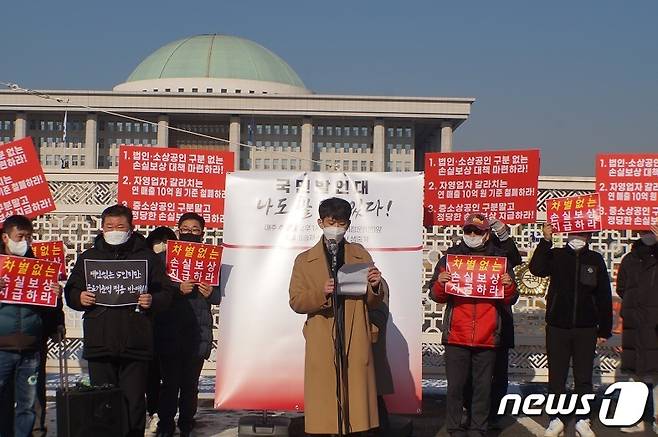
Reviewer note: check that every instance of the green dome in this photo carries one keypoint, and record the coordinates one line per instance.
(215, 56)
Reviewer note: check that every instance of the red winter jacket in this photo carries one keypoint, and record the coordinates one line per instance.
(468, 321)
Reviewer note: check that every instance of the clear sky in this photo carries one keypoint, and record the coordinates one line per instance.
(572, 78)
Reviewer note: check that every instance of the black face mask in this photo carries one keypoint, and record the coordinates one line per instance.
(191, 238)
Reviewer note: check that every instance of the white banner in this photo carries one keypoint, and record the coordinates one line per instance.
(270, 217)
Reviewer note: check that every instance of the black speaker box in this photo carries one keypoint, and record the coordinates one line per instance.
(84, 412)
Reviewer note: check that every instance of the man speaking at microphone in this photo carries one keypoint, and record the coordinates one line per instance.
(312, 292)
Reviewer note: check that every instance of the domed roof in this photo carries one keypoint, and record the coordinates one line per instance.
(215, 56)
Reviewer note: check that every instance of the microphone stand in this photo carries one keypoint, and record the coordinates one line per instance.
(340, 336)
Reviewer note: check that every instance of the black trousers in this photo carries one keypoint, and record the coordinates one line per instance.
(153, 386)
(180, 391)
(40, 429)
(499, 383)
(130, 377)
(575, 345)
(461, 363)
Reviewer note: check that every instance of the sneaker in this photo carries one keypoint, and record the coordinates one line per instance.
(555, 429)
(583, 428)
(152, 423)
(639, 427)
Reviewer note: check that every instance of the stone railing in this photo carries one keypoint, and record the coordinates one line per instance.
(81, 196)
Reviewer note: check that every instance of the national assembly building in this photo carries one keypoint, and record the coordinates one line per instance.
(236, 94)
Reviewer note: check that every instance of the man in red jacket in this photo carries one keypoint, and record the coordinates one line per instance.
(471, 331)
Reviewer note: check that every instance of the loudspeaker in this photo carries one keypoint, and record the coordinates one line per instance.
(249, 426)
(90, 411)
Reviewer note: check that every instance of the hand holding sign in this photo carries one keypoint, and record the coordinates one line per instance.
(145, 300)
(87, 299)
(374, 277)
(205, 289)
(186, 287)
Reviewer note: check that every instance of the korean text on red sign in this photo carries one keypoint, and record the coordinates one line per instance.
(23, 186)
(51, 251)
(161, 184)
(28, 281)
(628, 185)
(193, 262)
(574, 213)
(476, 276)
(499, 184)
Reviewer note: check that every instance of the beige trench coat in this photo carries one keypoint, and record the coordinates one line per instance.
(309, 274)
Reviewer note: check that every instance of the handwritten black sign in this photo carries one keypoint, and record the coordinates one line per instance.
(116, 282)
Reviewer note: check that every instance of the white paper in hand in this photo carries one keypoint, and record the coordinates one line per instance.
(353, 279)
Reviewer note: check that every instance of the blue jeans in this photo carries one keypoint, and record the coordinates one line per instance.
(20, 370)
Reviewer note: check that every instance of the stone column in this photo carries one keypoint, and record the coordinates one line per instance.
(163, 131)
(91, 141)
(307, 144)
(378, 149)
(446, 136)
(234, 139)
(20, 126)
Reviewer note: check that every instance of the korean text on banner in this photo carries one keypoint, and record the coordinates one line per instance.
(116, 282)
(476, 276)
(161, 184)
(193, 262)
(23, 186)
(51, 251)
(628, 185)
(574, 213)
(499, 184)
(28, 281)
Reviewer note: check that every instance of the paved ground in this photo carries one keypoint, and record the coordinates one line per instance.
(430, 423)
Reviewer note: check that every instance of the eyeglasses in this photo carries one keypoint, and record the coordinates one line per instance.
(194, 231)
(474, 230)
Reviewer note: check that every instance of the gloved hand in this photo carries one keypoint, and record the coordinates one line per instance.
(500, 229)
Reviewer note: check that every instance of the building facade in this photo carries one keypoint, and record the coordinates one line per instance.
(238, 96)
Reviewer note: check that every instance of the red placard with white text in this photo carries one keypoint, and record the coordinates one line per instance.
(28, 281)
(23, 186)
(160, 184)
(51, 251)
(628, 185)
(574, 213)
(193, 262)
(476, 276)
(498, 184)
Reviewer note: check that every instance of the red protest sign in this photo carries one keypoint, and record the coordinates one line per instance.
(574, 213)
(628, 185)
(193, 262)
(28, 281)
(51, 251)
(498, 184)
(23, 186)
(161, 184)
(476, 276)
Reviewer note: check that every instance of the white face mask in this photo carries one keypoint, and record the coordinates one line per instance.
(576, 244)
(115, 238)
(474, 241)
(334, 233)
(17, 248)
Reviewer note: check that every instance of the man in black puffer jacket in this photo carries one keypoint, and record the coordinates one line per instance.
(578, 315)
(637, 285)
(183, 340)
(118, 341)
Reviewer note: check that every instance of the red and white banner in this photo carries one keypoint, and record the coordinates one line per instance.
(271, 217)
(476, 276)
(499, 184)
(574, 213)
(161, 184)
(28, 281)
(51, 251)
(23, 186)
(193, 262)
(628, 185)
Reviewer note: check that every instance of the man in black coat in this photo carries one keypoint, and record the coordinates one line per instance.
(637, 285)
(118, 341)
(578, 315)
